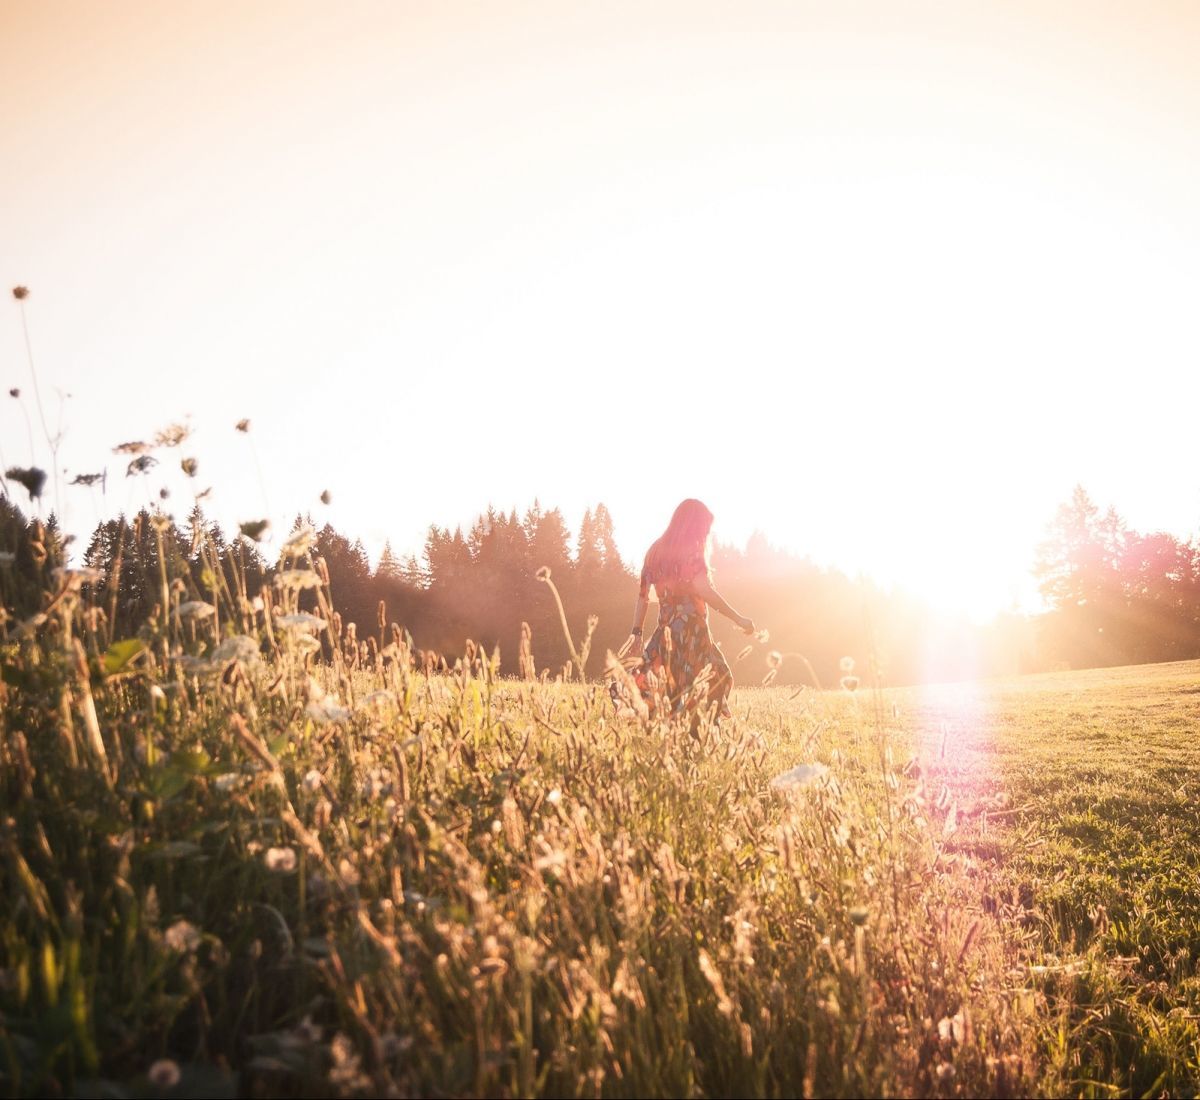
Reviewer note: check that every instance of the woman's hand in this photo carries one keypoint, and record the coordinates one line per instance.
(747, 625)
(633, 647)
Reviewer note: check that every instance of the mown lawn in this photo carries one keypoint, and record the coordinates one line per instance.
(1095, 862)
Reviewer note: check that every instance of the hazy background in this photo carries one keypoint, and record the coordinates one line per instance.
(881, 280)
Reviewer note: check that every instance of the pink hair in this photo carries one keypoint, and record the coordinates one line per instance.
(682, 551)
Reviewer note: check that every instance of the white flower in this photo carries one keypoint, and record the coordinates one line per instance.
(182, 936)
(803, 775)
(327, 710)
(196, 609)
(302, 620)
(282, 860)
(163, 1074)
(298, 579)
(299, 542)
(240, 647)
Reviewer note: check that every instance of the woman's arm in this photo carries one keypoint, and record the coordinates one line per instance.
(634, 645)
(703, 588)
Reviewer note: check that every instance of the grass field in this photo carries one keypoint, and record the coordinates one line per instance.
(230, 869)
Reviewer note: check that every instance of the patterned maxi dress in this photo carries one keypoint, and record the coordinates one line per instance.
(679, 650)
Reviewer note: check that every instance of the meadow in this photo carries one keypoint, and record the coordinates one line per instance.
(256, 851)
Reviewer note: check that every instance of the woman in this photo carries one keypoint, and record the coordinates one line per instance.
(681, 647)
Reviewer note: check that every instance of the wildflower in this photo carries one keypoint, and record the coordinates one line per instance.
(33, 479)
(803, 775)
(298, 579)
(243, 425)
(254, 529)
(182, 936)
(87, 479)
(143, 464)
(189, 466)
(301, 621)
(846, 664)
(239, 647)
(137, 447)
(172, 435)
(160, 521)
(849, 683)
(20, 293)
(327, 710)
(196, 609)
(762, 637)
(306, 643)
(298, 542)
(163, 1074)
(282, 860)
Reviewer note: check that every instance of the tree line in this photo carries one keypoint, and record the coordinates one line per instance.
(1114, 596)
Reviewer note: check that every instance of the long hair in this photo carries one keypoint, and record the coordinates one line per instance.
(682, 551)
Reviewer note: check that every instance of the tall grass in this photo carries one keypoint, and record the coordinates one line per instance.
(247, 851)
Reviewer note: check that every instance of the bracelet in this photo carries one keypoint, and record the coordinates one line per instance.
(636, 632)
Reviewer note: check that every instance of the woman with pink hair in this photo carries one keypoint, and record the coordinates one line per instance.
(681, 663)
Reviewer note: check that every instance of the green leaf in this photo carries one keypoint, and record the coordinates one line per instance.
(121, 653)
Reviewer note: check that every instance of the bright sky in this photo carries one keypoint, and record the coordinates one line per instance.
(882, 280)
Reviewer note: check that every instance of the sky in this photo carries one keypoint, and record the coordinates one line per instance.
(883, 281)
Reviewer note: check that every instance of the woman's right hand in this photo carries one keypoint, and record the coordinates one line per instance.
(747, 625)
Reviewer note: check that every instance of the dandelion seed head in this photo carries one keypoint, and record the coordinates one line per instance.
(543, 574)
(846, 664)
(182, 936)
(164, 1074)
(281, 860)
(196, 609)
(298, 542)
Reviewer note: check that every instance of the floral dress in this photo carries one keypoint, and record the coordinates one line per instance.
(681, 665)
